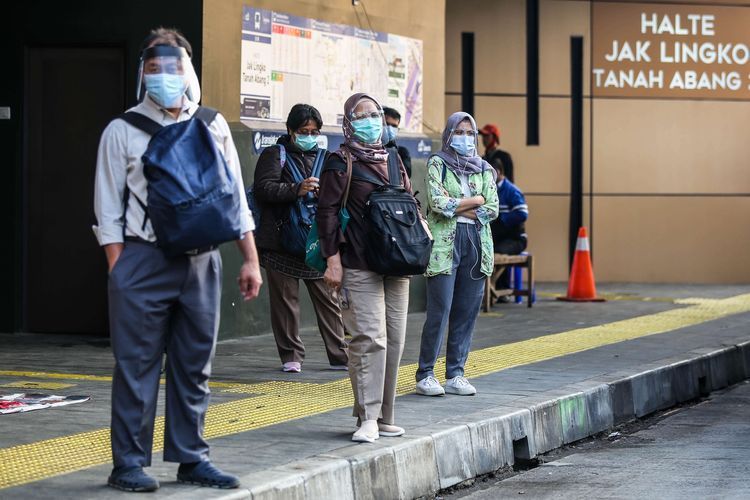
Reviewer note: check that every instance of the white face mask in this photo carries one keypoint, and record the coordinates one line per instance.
(390, 133)
(463, 145)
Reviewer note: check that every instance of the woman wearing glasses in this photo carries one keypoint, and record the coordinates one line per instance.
(462, 199)
(276, 189)
(374, 306)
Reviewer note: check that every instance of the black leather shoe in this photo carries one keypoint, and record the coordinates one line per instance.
(206, 474)
(132, 479)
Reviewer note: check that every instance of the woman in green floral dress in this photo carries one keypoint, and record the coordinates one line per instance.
(462, 201)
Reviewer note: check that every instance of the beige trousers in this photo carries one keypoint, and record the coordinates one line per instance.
(284, 294)
(374, 309)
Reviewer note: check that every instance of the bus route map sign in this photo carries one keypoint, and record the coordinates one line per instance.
(288, 59)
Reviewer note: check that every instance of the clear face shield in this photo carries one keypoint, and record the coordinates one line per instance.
(166, 73)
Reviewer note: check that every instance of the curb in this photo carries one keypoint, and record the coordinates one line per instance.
(455, 450)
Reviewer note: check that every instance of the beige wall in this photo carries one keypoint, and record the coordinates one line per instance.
(676, 239)
(671, 177)
(682, 146)
(222, 19)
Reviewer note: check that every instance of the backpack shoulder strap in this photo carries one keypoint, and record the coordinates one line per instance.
(206, 114)
(320, 158)
(282, 155)
(366, 176)
(294, 169)
(394, 171)
(334, 162)
(141, 122)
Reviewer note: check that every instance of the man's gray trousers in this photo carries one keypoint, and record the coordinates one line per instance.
(156, 306)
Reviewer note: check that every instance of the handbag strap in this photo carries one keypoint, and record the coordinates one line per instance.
(348, 178)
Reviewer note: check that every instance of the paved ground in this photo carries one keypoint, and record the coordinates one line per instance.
(700, 452)
(261, 419)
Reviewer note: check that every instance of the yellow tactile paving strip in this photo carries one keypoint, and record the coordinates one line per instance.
(275, 402)
(78, 376)
(615, 296)
(36, 385)
(61, 376)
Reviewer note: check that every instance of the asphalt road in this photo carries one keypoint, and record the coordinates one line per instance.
(699, 451)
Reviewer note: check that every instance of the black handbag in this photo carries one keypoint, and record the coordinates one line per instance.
(398, 244)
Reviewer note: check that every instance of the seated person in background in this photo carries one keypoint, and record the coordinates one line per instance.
(392, 121)
(508, 230)
(492, 152)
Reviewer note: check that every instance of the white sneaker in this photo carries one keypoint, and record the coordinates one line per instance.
(460, 386)
(292, 367)
(429, 386)
(367, 433)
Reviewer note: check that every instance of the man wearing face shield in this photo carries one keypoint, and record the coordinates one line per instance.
(157, 303)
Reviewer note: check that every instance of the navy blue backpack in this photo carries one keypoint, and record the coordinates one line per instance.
(295, 228)
(193, 200)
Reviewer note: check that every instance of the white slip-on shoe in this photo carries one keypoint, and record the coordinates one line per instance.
(459, 386)
(367, 433)
(292, 367)
(429, 386)
(388, 430)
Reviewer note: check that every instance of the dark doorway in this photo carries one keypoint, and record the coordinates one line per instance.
(70, 96)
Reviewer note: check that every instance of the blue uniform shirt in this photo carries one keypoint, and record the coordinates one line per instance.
(513, 212)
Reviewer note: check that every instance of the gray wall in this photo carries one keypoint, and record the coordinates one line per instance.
(239, 319)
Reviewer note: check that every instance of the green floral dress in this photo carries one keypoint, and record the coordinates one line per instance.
(443, 197)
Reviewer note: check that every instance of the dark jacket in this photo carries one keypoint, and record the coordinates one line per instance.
(404, 154)
(498, 156)
(510, 224)
(332, 186)
(275, 190)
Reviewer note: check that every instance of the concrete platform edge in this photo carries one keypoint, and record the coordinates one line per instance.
(427, 460)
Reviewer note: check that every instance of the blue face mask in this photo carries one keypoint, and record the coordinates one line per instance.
(165, 89)
(390, 133)
(305, 142)
(463, 145)
(368, 130)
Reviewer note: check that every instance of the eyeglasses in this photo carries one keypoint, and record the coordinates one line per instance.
(469, 133)
(367, 114)
(308, 132)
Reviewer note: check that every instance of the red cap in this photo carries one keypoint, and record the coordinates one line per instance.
(490, 129)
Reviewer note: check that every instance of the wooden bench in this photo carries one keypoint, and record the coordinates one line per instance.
(491, 294)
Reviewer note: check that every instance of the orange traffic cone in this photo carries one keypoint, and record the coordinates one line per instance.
(581, 287)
